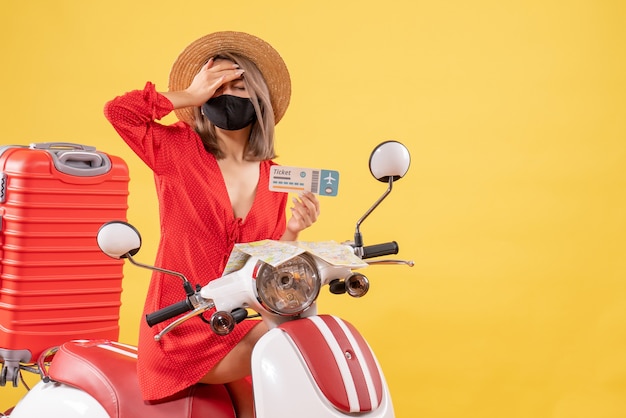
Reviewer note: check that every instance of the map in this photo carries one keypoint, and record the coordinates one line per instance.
(275, 253)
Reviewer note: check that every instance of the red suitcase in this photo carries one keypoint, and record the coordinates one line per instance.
(55, 283)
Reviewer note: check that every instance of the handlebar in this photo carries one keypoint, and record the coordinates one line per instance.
(378, 250)
(169, 312)
(179, 308)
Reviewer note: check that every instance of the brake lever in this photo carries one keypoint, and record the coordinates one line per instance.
(409, 263)
(200, 309)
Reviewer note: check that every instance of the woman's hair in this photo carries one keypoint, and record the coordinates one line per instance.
(260, 145)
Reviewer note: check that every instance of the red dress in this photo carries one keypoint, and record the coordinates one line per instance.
(198, 231)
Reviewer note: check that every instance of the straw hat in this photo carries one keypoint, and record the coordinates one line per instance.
(266, 58)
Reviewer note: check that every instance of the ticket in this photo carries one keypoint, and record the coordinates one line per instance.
(299, 179)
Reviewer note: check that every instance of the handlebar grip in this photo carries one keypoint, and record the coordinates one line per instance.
(168, 312)
(377, 250)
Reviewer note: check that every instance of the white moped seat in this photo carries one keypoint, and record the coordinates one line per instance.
(108, 372)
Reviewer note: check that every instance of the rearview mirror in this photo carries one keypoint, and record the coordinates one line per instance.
(118, 239)
(389, 160)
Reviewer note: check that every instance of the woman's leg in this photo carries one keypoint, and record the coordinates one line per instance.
(233, 369)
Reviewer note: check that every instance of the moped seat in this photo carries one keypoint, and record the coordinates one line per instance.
(107, 371)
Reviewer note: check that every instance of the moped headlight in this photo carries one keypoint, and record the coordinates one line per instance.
(290, 288)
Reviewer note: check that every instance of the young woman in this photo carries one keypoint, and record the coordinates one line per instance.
(211, 171)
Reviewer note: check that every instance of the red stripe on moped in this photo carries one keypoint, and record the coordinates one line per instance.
(340, 362)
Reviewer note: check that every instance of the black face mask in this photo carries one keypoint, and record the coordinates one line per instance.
(229, 112)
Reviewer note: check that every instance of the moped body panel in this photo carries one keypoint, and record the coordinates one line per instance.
(58, 400)
(318, 367)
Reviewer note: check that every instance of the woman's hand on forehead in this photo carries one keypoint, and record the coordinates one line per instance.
(211, 77)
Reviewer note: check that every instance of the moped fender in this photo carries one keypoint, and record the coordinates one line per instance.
(318, 366)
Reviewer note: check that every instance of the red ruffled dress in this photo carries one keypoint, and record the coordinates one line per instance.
(198, 231)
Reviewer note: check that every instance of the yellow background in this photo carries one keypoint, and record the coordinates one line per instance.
(514, 208)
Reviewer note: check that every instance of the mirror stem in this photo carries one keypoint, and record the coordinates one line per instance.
(188, 288)
(358, 239)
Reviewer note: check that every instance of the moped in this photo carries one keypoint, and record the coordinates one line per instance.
(306, 365)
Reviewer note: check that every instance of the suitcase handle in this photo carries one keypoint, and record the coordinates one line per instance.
(81, 163)
(91, 159)
(61, 146)
(76, 159)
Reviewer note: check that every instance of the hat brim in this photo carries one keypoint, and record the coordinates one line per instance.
(262, 54)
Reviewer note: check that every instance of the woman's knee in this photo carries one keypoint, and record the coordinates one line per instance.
(236, 364)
